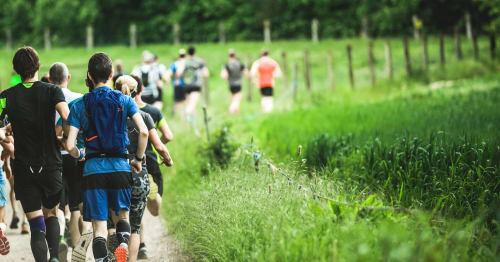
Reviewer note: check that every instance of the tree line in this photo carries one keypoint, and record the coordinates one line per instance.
(26, 21)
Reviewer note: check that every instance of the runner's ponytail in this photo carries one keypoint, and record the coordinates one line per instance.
(126, 84)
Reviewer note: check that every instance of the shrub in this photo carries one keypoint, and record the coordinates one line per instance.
(219, 151)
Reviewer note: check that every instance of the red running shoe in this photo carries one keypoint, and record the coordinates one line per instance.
(4, 244)
(121, 253)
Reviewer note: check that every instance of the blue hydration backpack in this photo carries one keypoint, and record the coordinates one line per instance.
(107, 132)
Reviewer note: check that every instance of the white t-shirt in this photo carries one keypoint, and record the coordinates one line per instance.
(68, 96)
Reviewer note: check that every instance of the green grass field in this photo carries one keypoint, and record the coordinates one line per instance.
(407, 170)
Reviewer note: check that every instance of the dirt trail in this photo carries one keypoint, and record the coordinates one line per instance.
(161, 247)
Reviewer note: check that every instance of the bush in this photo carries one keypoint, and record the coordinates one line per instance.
(218, 152)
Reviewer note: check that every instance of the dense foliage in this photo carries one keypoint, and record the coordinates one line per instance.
(199, 20)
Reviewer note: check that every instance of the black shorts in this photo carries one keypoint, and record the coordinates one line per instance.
(159, 98)
(73, 181)
(235, 89)
(190, 89)
(155, 171)
(39, 189)
(266, 91)
(179, 94)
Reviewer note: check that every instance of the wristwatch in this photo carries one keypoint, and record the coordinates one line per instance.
(139, 159)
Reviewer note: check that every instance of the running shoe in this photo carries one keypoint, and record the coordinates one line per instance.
(121, 253)
(4, 244)
(113, 242)
(54, 259)
(153, 188)
(25, 228)
(63, 250)
(13, 223)
(143, 253)
(110, 257)
(80, 251)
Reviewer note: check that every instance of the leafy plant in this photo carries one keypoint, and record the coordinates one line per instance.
(219, 151)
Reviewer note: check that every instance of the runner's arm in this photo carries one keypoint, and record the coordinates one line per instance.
(204, 72)
(167, 134)
(71, 142)
(143, 135)
(160, 147)
(277, 72)
(224, 74)
(63, 110)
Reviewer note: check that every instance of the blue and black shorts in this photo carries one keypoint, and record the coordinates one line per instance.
(106, 191)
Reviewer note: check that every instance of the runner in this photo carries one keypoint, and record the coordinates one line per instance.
(155, 175)
(232, 72)
(178, 82)
(102, 116)
(30, 107)
(4, 242)
(263, 71)
(193, 71)
(150, 75)
(6, 156)
(128, 86)
(72, 181)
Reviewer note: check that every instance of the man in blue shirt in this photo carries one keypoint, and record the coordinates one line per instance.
(107, 177)
(178, 82)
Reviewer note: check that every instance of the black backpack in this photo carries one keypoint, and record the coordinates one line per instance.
(145, 78)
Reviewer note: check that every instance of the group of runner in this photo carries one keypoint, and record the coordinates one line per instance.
(188, 73)
(85, 167)
(94, 158)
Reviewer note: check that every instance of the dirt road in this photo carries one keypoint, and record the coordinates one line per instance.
(161, 247)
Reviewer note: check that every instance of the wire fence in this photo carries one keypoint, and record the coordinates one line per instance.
(258, 159)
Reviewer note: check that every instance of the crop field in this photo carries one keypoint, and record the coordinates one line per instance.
(407, 169)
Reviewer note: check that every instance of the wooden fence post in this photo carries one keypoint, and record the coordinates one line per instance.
(8, 38)
(176, 31)
(365, 27)
(475, 47)
(90, 37)
(46, 38)
(388, 60)
(206, 91)
(468, 25)
(458, 45)
(331, 74)
(407, 56)
(307, 72)
(371, 61)
(442, 58)
(295, 81)
(416, 29)
(493, 45)
(284, 66)
(222, 33)
(349, 58)
(205, 118)
(249, 81)
(267, 31)
(425, 53)
(133, 36)
(314, 30)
